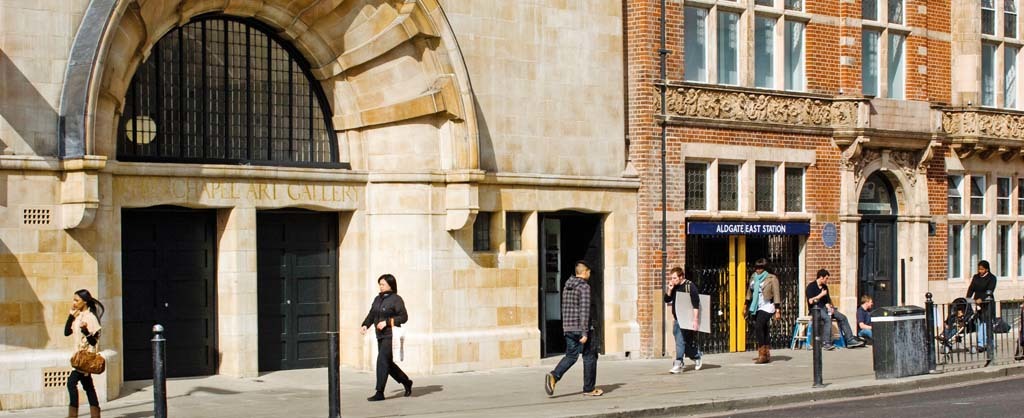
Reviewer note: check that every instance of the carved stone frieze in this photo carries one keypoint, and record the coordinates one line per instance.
(741, 106)
(867, 157)
(992, 124)
(907, 162)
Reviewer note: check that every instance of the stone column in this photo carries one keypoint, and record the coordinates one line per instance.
(237, 314)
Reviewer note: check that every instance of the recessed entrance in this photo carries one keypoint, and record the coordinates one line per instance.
(168, 265)
(566, 237)
(298, 287)
(877, 241)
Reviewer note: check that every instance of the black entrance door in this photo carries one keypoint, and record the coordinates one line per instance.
(298, 287)
(168, 277)
(567, 237)
(877, 269)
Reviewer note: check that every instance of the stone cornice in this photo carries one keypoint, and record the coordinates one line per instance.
(983, 132)
(734, 107)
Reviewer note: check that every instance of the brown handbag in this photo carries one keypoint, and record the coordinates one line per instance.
(89, 362)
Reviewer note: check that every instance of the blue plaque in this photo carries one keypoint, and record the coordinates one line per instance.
(829, 235)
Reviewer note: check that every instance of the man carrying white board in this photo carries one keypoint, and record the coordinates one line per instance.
(686, 341)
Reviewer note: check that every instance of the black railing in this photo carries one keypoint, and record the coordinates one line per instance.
(966, 334)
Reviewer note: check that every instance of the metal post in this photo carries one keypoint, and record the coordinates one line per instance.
(333, 376)
(663, 53)
(903, 281)
(929, 315)
(816, 327)
(159, 373)
(990, 346)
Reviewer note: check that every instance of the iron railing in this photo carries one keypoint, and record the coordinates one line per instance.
(958, 328)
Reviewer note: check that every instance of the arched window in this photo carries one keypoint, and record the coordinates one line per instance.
(225, 90)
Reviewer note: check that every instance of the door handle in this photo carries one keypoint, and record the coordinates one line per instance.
(166, 304)
(289, 302)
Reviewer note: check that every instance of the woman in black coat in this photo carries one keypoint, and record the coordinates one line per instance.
(387, 311)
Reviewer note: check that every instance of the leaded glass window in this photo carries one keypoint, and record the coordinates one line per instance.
(794, 189)
(226, 90)
(764, 189)
(482, 232)
(696, 186)
(728, 187)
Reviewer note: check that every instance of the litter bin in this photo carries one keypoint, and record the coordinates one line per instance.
(900, 341)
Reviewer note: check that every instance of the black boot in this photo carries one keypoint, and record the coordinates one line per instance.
(408, 388)
(379, 396)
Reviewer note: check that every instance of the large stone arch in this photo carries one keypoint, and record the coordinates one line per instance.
(384, 64)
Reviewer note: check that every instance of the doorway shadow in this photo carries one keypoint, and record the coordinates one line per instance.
(22, 317)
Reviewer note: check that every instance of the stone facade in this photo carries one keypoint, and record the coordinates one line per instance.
(437, 121)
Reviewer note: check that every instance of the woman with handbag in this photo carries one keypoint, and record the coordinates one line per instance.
(387, 311)
(762, 296)
(84, 324)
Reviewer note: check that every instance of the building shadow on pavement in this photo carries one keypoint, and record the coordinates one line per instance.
(418, 391)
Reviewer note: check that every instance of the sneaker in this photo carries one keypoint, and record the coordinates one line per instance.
(549, 384)
(677, 366)
(595, 392)
(829, 347)
(854, 343)
(700, 364)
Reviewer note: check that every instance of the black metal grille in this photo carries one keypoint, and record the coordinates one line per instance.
(707, 265)
(783, 255)
(226, 90)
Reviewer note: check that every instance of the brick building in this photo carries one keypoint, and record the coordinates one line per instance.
(882, 135)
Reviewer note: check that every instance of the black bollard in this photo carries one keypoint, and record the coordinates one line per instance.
(929, 314)
(159, 373)
(816, 327)
(333, 376)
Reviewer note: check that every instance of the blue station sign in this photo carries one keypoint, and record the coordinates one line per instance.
(748, 228)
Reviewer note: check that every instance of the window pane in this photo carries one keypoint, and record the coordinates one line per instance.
(764, 189)
(977, 243)
(896, 11)
(696, 44)
(794, 5)
(1010, 18)
(869, 64)
(953, 253)
(1010, 76)
(953, 194)
(988, 74)
(794, 189)
(764, 52)
(482, 232)
(765, 2)
(897, 64)
(1002, 250)
(513, 231)
(977, 195)
(1020, 249)
(696, 186)
(1020, 197)
(728, 187)
(869, 9)
(728, 48)
(988, 17)
(1003, 196)
(794, 56)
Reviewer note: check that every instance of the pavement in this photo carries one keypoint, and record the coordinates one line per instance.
(633, 388)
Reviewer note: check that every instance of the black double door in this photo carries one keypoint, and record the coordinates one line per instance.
(298, 288)
(877, 268)
(168, 258)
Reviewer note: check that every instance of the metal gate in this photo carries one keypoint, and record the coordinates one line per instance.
(709, 265)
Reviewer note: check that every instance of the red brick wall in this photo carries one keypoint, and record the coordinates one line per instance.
(825, 76)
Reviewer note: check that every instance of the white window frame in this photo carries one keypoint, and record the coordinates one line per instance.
(1006, 71)
(959, 188)
(971, 197)
(1004, 199)
(886, 32)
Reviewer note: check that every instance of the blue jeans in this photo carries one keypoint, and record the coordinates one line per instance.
(686, 343)
(982, 334)
(866, 333)
(573, 349)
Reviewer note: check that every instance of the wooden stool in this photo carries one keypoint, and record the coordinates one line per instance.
(800, 333)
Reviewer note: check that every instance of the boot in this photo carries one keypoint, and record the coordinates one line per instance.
(767, 353)
(762, 355)
(72, 412)
(94, 412)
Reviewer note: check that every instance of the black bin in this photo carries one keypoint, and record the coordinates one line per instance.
(900, 341)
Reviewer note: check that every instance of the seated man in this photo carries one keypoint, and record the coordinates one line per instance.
(864, 316)
(817, 295)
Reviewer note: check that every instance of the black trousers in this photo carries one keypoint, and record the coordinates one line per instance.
(386, 364)
(761, 326)
(90, 390)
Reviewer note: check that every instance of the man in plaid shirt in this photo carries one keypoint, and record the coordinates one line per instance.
(579, 332)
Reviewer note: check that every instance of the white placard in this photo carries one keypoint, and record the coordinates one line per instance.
(684, 312)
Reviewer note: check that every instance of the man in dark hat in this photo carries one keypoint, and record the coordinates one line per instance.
(577, 324)
(982, 290)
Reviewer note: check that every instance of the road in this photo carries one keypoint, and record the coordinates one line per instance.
(997, 399)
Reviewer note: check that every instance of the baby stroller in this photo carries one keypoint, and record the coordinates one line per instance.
(1018, 355)
(959, 322)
